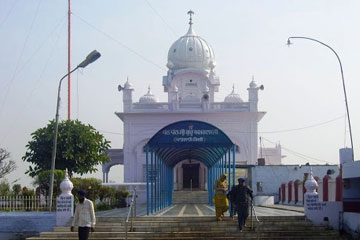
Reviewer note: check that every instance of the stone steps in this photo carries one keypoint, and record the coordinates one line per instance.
(206, 238)
(175, 228)
(193, 234)
(187, 197)
(196, 218)
(195, 228)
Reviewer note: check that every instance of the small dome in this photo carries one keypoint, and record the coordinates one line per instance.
(233, 97)
(148, 97)
(191, 51)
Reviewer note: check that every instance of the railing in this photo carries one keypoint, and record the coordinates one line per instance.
(131, 214)
(25, 203)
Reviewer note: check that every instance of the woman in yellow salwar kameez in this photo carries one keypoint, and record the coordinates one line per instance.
(220, 200)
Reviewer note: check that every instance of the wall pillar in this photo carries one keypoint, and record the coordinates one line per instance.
(290, 189)
(326, 188)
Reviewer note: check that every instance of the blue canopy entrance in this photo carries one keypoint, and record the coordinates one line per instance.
(186, 140)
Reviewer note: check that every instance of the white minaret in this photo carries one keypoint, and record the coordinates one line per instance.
(127, 96)
(253, 95)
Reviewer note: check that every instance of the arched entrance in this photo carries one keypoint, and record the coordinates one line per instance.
(180, 141)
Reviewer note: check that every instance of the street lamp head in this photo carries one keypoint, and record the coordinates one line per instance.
(92, 57)
(288, 42)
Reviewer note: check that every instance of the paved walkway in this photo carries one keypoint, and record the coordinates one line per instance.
(203, 210)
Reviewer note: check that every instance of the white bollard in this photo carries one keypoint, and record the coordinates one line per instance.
(65, 202)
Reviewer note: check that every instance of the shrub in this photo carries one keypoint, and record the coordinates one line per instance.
(120, 197)
(16, 189)
(101, 206)
(91, 186)
(43, 181)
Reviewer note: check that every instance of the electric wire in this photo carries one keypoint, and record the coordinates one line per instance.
(35, 85)
(300, 155)
(306, 127)
(280, 131)
(8, 87)
(8, 13)
(162, 19)
(119, 43)
(262, 146)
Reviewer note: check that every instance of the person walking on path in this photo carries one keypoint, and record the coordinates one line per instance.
(84, 216)
(220, 200)
(240, 198)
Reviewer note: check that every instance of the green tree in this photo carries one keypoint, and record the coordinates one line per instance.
(91, 186)
(4, 188)
(6, 164)
(43, 181)
(16, 189)
(79, 148)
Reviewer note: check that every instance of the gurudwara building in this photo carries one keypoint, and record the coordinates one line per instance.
(191, 83)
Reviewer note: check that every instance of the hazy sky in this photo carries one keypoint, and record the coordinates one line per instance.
(302, 83)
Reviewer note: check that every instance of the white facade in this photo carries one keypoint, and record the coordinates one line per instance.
(271, 156)
(270, 178)
(191, 83)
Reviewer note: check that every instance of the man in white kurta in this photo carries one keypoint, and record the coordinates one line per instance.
(84, 216)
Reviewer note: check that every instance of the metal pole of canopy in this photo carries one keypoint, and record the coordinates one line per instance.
(208, 184)
(212, 182)
(225, 163)
(216, 169)
(164, 184)
(158, 183)
(147, 180)
(221, 169)
(229, 157)
(152, 179)
(228, 168)
(161, 184)
(158, 186)
(167, 186)
(233, 150)
(155, 181)
(171, 184)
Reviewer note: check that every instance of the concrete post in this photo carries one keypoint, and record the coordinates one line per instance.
(65, 202)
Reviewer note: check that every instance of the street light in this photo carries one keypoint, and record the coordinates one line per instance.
(92, 57)
(343, 83)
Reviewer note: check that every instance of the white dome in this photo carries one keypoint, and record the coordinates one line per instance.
(233, 97)
(148, 97)
(191, 51)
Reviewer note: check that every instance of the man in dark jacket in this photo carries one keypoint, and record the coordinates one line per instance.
(240, 199)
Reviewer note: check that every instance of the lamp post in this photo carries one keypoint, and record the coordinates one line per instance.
(343, 83)
(93, 56)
